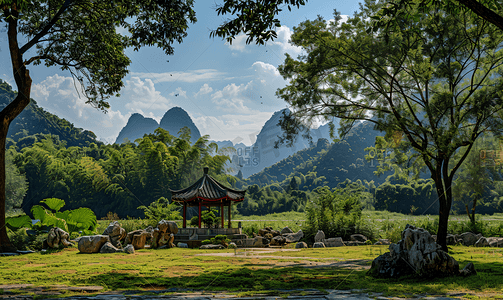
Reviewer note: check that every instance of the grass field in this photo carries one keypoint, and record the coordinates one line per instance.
(245, 273)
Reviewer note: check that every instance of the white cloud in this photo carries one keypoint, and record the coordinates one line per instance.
(283, 42)
(57, 94)
(239, 44)
(185, 76)
(141, 95)
(205, 89)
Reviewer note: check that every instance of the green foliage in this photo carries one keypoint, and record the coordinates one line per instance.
(194, 221)
(258, 17)
(338, 213)
(16, 185)
(114, 178)
(208, 218)
(161, 209)
(220, 239)
(72, 221)
(206, 242)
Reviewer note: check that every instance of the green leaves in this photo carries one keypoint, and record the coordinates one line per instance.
(256, 18)
(14, 223)
(54, 203)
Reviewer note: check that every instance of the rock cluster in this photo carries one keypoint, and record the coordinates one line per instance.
(416, 253)
(111, 240)
(472, 239)
(355, 240)
(271, 237)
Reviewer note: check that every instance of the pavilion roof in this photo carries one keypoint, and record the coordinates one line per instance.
(207, 189)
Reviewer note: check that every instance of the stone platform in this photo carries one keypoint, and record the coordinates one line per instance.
(194, 236)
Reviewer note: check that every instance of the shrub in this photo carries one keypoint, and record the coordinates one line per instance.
(194, 221)
(338, 213)
(208, 218)
(220, 239)
(159, 210)
(206, 242)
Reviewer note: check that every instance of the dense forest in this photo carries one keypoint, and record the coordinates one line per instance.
(49, 157)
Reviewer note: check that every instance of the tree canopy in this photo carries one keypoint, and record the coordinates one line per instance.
(432, 84)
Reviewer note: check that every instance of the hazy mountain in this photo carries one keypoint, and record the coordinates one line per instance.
(173, 120)
(253, 159)
(336, 162)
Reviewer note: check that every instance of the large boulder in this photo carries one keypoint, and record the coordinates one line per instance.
(300, 245)
(334, 242)
(57, 237)
(167, 227)
(495, 241)
(278, 241)
(416, 253)
(482, 242)
(109, 248)
(451, 239)
(318, 245)
(138, 238)
(129, 249)
(260, 241)
(358, 238)
(319, 237)
(286, 230)
(93, 243)
(469, 238)
(116, 233)
(294, 237)
(264, 231)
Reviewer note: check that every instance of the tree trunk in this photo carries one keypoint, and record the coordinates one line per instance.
(472, 218)
(6, 117)
(445, 206)
(11, 111)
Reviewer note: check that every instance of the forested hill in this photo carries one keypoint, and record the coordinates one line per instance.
(28, 127)
(336, 162)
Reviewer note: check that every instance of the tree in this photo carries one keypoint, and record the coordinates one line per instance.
(431, 85)
(489, 10)
(80, 36)
(475, 178)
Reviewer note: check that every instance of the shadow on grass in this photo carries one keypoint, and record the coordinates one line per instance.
(489, 278)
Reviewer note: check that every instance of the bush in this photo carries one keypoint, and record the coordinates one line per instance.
(159, 210)
(220, 239)
(208, 218)
(206, 242)
(194, 221)
(338, 213)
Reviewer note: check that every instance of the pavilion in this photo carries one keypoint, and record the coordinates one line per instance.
(207, 192)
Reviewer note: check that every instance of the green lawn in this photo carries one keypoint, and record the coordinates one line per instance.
(322, 269)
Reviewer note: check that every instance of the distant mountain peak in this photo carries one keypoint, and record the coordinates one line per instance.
(172, 121)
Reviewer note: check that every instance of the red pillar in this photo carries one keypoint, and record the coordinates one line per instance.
(199, 214)
(229, 224)
(222, 213)
(184, 215)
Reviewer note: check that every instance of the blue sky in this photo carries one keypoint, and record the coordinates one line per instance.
(228, 90)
